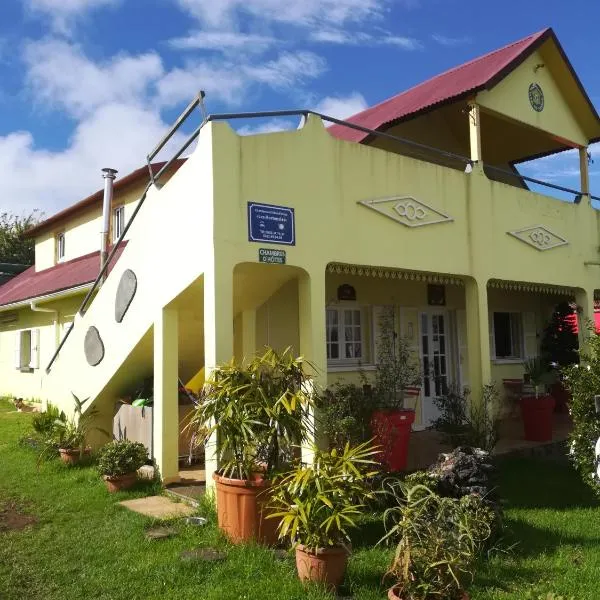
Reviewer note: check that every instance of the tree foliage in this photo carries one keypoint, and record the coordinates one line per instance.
(14, 248)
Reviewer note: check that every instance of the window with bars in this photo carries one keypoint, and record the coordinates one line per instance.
(345, 335)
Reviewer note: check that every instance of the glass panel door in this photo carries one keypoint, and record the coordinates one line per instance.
(434, 353)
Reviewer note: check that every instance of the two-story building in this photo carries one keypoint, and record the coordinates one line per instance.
(302, 238)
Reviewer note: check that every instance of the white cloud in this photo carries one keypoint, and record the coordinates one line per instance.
(64, 12)
(223, 41)
(268, 126)
(355, 38)
(228, 81)
(443, 40)
(58, 73)
(342, 107)
(226, 13)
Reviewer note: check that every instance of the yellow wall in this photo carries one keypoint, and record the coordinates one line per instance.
(511, 98)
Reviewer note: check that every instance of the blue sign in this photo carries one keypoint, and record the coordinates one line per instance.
(273, 224)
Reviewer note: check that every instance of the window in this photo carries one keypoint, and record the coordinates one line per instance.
(118, 222)
(508, 335)
(345, 335)
(60, 246)
(27, 349)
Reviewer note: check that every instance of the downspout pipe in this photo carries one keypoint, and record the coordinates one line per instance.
(109, 176)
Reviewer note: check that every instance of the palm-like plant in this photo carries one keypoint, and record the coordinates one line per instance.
(258, 412)
(317, 504)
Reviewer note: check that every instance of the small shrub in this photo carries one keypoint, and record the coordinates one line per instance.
(345, 414)
(438, 542)
(44, 423)
(465, 423)
(121, 457)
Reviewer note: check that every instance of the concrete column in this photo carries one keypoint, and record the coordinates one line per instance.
(218, 337)
(475, 132)
(166, 399)
(248, 334)
(312, 304)
(478, 337)
(584, 170)
(585, 314)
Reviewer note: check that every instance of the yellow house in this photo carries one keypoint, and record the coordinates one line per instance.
(302, 238)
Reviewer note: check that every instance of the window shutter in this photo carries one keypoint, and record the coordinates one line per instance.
(530, 341)
(18, 335)
(34, 361)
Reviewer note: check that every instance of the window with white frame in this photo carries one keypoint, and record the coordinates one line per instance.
(345, 335)
(60, 246)
(507, 335)
(118, 222)
(27, 349)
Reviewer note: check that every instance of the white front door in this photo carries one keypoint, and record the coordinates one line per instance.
(435, 360)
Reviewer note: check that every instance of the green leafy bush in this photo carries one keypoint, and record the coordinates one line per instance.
(466, 423)
(583, 381)
(438, 543)
(345, 414)
(44, 423)
(318, 503)
(259, 412)
(121, 457)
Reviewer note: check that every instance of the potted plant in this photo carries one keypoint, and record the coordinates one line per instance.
(439, 540)
(397, 372)
(118, 462)
(537, 408)
(258, 413)
(317, 504)
(68, 435)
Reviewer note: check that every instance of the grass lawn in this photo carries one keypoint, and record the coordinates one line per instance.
(82, 545)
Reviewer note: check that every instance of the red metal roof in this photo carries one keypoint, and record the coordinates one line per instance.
(73, 273)
(481, 73)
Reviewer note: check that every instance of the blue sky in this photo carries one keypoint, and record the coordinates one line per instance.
(93, 83)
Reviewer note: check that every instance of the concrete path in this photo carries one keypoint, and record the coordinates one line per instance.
(159, 507)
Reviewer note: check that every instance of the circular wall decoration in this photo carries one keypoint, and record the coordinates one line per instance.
(536, 97)
(93, 347)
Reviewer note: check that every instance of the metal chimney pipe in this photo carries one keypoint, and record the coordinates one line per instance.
(109, 176)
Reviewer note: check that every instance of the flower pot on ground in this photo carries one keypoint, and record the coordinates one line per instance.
(537, 409)
(68, 436)
(242, 507)
(439, 540)
(397, 371)
(315, 505)
(118, 462)
(260, 413)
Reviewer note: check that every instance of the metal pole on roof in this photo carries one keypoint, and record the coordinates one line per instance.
(109, 176)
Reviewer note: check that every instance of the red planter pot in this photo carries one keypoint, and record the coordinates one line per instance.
(538, 417)
(242, 510)
(117, 483)
(72, 456)
(391, 430)
(325, 565)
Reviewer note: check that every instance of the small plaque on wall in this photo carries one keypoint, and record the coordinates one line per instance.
(436, 295)
(346, 292)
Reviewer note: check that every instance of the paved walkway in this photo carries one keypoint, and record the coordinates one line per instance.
(159, 507)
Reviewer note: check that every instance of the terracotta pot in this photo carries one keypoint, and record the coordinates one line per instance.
(119, 482)
(391, 430)
(393, 595)
(325, 565)
(241, 510)
(71, 456)
(537, 414)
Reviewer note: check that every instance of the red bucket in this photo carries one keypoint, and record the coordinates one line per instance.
(391, 431)
(538, 416)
